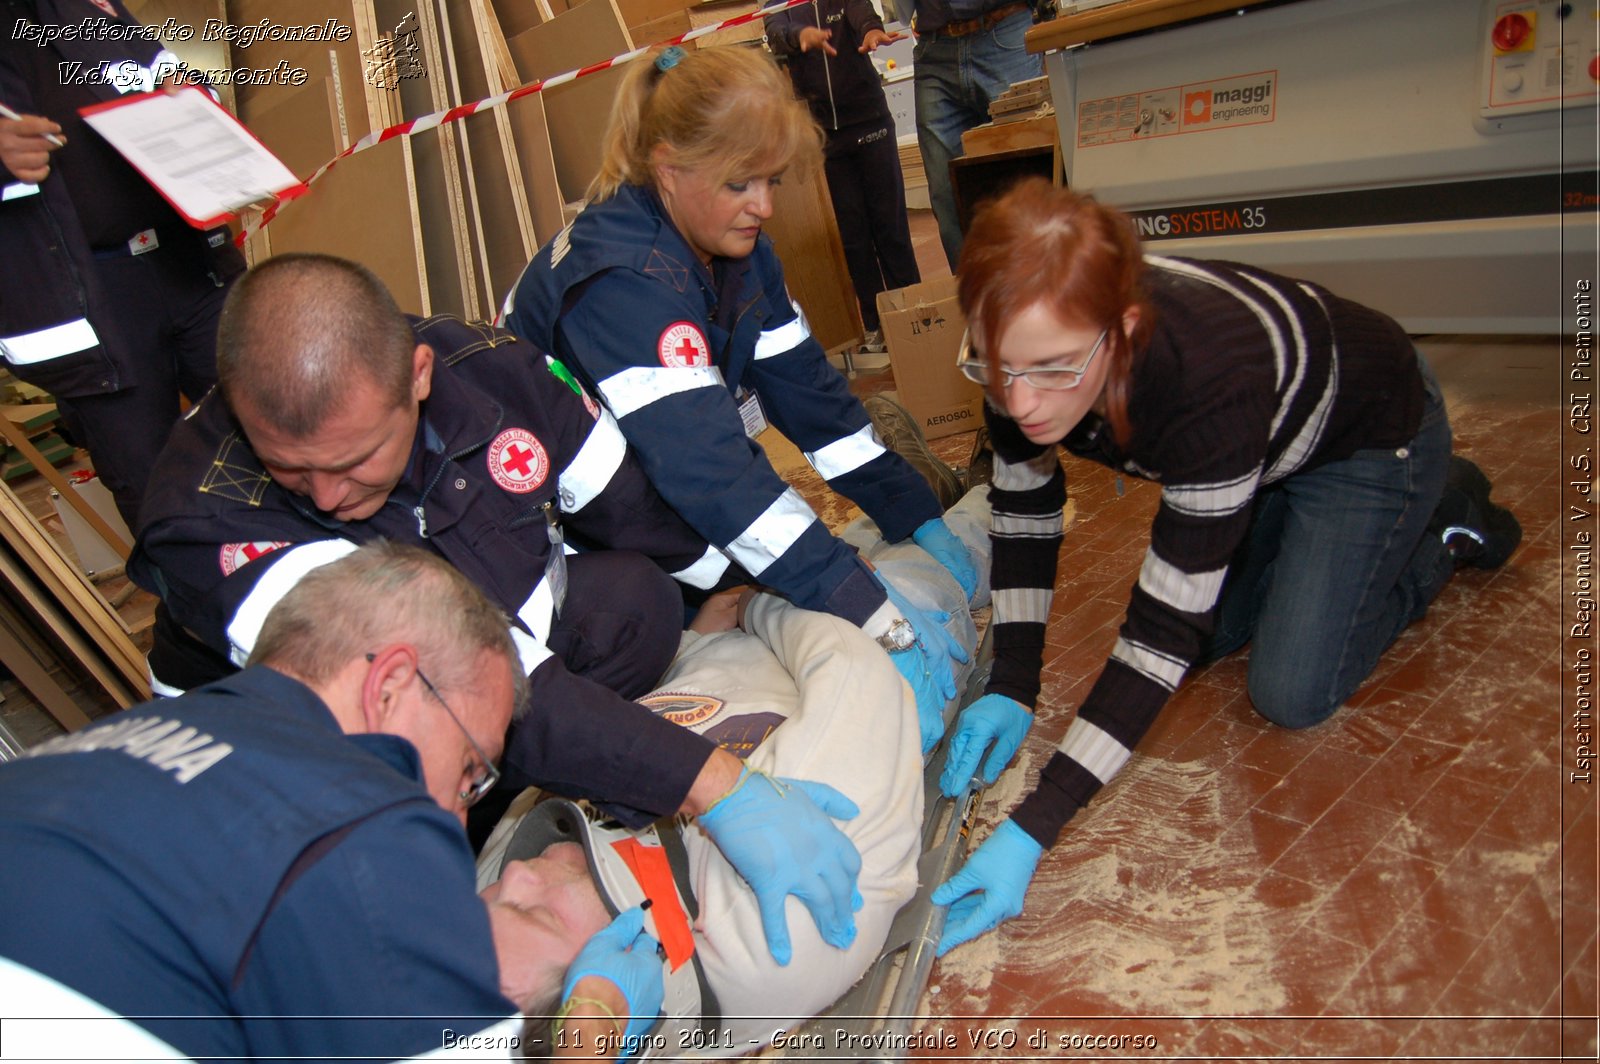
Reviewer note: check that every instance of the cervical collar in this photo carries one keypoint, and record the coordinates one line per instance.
(618, 858)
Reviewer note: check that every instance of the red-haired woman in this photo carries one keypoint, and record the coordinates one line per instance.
(1310, 505)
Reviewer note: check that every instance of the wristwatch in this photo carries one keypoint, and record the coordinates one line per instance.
(900, 636)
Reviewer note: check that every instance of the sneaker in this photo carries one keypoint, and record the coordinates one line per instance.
(980, 467)
(872, 343)
(900, 433)
(1475, 531)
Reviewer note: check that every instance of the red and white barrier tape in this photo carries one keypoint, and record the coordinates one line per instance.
(455, 114)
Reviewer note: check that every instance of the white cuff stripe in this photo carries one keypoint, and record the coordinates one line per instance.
(705, 572)
(539, 610)
(596, 463)
(1188, 592)
(18, 189)
(638, 386)
(1022, 604)
(530, 651)
(1026, 526)
(286, 571)
(1025, 476)
(1213, 500)
(846, 454)
(45, 344)
(784, 338)
(1095, 750)
(773, 533)
(1159, 668)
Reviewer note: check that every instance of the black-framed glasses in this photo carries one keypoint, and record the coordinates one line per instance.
(484, 782)
(1045, 378)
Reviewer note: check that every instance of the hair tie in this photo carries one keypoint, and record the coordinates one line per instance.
(670, 57)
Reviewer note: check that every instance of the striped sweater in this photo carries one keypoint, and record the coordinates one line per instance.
(1248, 378)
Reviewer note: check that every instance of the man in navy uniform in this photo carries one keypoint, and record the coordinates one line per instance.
(274, 865)
(339, 421)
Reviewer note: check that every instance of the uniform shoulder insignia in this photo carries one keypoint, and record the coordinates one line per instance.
(235, 474)
(668, 270)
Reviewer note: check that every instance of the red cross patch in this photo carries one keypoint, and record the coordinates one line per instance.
(683, 345)
(517, 461)
(235, 556)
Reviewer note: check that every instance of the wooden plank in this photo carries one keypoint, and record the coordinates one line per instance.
(18, 438)
(806, 237)
(62, 580)
(504, 226)
(579, 110)
(530, 133)
(300, 125)
(36, 679)
(1031, 132)
(1130, 16)
(514, 16)
(311, 55)
(364, 209)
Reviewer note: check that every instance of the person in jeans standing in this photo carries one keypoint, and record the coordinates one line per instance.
(825, 46)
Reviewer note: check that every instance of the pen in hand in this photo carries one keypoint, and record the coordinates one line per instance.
(6, 112)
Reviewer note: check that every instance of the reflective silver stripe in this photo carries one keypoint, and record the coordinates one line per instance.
(18, 189)
(774, 532)
(1025, 476)
(1022, 604)
(1274, 334)
(539, 610)
(786, 337)
(1025, 526)
(530, 651)
(846, 454)
(1094, 750)
(597, 461)
(706, 571)
(1189, 592)
(1152, 664)
(638, 386)
(41, 346)
(159, 689)
(1212, 500)
(287, 568)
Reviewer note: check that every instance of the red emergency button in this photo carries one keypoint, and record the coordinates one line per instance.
(1594, 68)
(1510, 31)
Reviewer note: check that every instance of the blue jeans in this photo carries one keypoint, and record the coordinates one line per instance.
(1338, 562)
(956, 77)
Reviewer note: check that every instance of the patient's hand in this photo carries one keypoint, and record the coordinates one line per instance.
(720, 613)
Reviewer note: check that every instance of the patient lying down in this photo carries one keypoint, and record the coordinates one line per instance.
(750, 663)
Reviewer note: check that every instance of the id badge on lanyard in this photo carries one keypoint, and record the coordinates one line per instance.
(750, 412)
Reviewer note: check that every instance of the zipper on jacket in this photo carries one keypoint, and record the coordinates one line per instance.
(827, 75)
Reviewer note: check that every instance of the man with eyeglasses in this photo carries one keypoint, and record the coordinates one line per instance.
(273, 865)
(338, 421)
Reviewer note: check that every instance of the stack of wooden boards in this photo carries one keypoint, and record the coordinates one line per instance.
(1021, 117)
(448, 217)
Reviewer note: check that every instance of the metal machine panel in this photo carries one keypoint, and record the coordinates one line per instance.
(1365, 144)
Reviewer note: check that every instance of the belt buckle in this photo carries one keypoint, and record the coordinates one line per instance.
(140, 243)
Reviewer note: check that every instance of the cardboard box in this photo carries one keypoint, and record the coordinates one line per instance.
(922, 326)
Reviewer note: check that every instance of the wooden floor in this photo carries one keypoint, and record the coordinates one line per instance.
(1412, 879)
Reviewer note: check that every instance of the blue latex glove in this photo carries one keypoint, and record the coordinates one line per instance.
(913, 665)
(935, 537)
(991, 719)
(934, 642)
(777, 835)
(625, 955)
(990, 886)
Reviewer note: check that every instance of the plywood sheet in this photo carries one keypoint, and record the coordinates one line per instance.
(299, 125)
(578, 111)
(313, 56)
(364, 209)
(806, 236)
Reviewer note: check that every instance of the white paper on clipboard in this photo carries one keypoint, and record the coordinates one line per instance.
(197, 155)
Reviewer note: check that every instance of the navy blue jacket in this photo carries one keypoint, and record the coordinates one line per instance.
(503, 444)
(668, 345)
(208, 864)
(843, 89)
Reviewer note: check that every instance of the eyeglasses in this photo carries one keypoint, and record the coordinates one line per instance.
(485, 781)
(1045, 378)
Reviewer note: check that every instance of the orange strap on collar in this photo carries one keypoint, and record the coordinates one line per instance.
(649, 866)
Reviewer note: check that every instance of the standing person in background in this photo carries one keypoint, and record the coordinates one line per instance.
(968, 52)
(1310, 504)
(111, 299)
(670, 304)
(825, 46)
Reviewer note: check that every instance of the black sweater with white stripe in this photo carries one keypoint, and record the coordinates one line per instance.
(1248, 378)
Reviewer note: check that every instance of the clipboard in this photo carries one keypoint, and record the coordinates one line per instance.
(201, 159)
